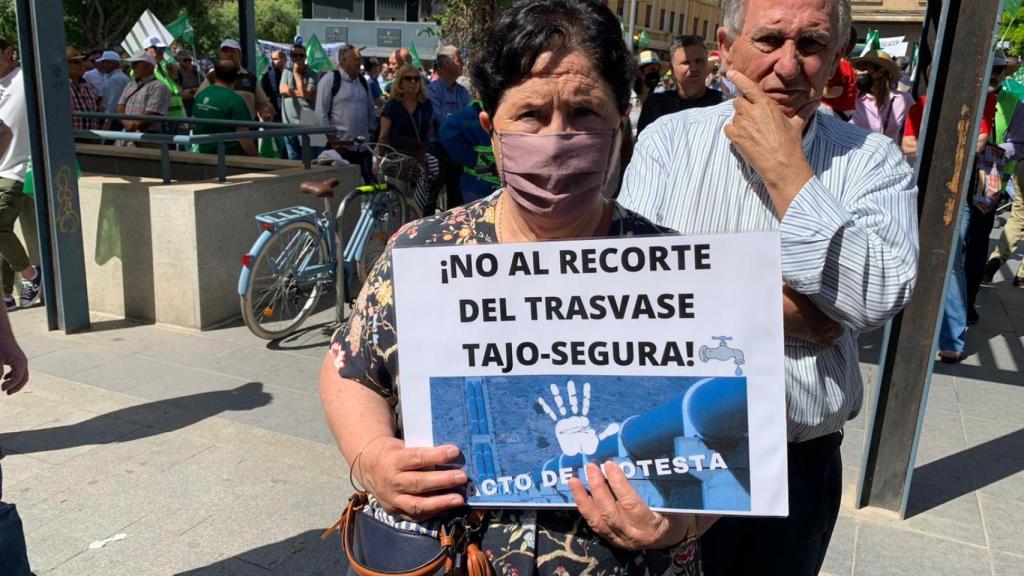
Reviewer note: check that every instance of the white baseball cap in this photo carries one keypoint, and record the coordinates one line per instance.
(155, 42)
(231, 43)
(141, 56)
(109, 56)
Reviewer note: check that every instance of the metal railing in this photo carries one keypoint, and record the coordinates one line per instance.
(260, 130)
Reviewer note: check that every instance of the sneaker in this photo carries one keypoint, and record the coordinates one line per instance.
(30, 289)
(10, 303)
(991, 267)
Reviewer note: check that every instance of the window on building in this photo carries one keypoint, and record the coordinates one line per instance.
(672, 22)
(661, 20)
(621, 10)
(705, 34)
(647, 19)
(682, 25)
(696, 21)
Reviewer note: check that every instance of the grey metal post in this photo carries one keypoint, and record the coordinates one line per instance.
(632, 24)
(307, 154)
(54, 168)
(247, 33)
(165, 162)
(222, 171)
(964, 45)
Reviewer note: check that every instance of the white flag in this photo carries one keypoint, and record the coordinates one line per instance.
(147, 27)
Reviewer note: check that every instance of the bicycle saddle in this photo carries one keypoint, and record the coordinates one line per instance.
(319, 189)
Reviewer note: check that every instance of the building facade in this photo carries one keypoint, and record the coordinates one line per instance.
(378, 26)
(891, 18)
(663, 20)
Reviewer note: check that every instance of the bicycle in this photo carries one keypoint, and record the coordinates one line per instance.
(295, 259)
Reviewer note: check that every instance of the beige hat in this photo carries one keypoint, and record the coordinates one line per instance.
(879, 58)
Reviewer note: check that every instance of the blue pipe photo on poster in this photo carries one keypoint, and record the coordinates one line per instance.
(682, 441)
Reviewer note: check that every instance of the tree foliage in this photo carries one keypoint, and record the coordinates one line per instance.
(464, 23)
(104, 23)
(1011, 28)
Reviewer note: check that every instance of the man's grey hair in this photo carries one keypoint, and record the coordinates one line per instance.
(734, 11)
(446, 52)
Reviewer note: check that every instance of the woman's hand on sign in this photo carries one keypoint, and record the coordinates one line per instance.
(403, 483)
(615, 511)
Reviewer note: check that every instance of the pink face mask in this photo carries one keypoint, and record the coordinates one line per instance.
(556, 177)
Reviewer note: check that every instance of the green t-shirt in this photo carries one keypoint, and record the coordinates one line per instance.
(222, 104)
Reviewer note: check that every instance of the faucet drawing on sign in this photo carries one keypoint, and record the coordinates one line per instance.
(723, 353)
(572, 427)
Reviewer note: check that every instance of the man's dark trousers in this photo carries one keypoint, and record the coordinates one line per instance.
(792, 546)
(13, 555)
(450, 177)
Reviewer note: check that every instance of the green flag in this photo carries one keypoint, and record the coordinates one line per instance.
(644, 40)
(181, 29)
(415, 56)
(316, 58)
(262, 63)
(872, 42)
(1012, 6)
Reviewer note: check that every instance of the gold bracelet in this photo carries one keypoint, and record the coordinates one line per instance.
(355, 462)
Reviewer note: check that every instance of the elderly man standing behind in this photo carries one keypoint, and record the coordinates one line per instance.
(844, 203)
(144, 96)
(447, 97)
(343, 100)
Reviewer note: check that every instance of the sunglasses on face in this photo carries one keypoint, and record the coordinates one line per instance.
(298, 56)
(412, 78)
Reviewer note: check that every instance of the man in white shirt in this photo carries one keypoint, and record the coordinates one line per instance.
(13, 165)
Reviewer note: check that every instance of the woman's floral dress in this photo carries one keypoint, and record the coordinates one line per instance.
(518, 542)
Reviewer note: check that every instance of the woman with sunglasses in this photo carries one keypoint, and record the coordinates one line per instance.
(298, 93)
(406, 124)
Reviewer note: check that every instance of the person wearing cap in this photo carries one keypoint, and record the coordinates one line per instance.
(166, 73)
(95, 76)
(344, 101)
(14, 163)
(447, 97)
(247, 81)
(144, 96)
(83, 97)
(298, 93)
(690, 69)
(880, 108)
(189, 79)
(648, 76)
(108, 66)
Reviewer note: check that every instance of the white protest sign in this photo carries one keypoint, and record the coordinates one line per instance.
(895, 46)
(663, 354)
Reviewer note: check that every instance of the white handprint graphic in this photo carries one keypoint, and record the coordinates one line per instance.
(572, 427)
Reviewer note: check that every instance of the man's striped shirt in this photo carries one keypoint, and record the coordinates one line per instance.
(849, 239)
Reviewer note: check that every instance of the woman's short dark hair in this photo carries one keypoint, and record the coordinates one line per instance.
(528, 28)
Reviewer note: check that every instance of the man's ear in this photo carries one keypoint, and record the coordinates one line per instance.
(725, 47)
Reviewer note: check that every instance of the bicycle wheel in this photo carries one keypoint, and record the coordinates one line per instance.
(278, 299)
(390, 211)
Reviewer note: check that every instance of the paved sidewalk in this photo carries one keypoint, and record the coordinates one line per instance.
(209, 452)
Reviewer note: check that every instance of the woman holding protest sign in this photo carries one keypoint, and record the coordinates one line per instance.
(554, 99)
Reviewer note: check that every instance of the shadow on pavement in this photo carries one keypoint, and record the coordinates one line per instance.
(956, 475)
(154, 417)
(315, 336)
(301, 555)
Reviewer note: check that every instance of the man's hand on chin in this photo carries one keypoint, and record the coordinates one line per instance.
(769, 141)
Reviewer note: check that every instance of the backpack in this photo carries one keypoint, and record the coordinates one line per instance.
(336, 85)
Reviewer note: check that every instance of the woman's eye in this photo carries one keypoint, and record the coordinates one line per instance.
(528, 115)
(584, 112)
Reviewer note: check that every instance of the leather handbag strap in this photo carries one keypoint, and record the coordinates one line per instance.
(347, 526)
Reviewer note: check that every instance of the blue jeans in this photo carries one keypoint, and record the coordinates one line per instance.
(13, 555)
(954, 316)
